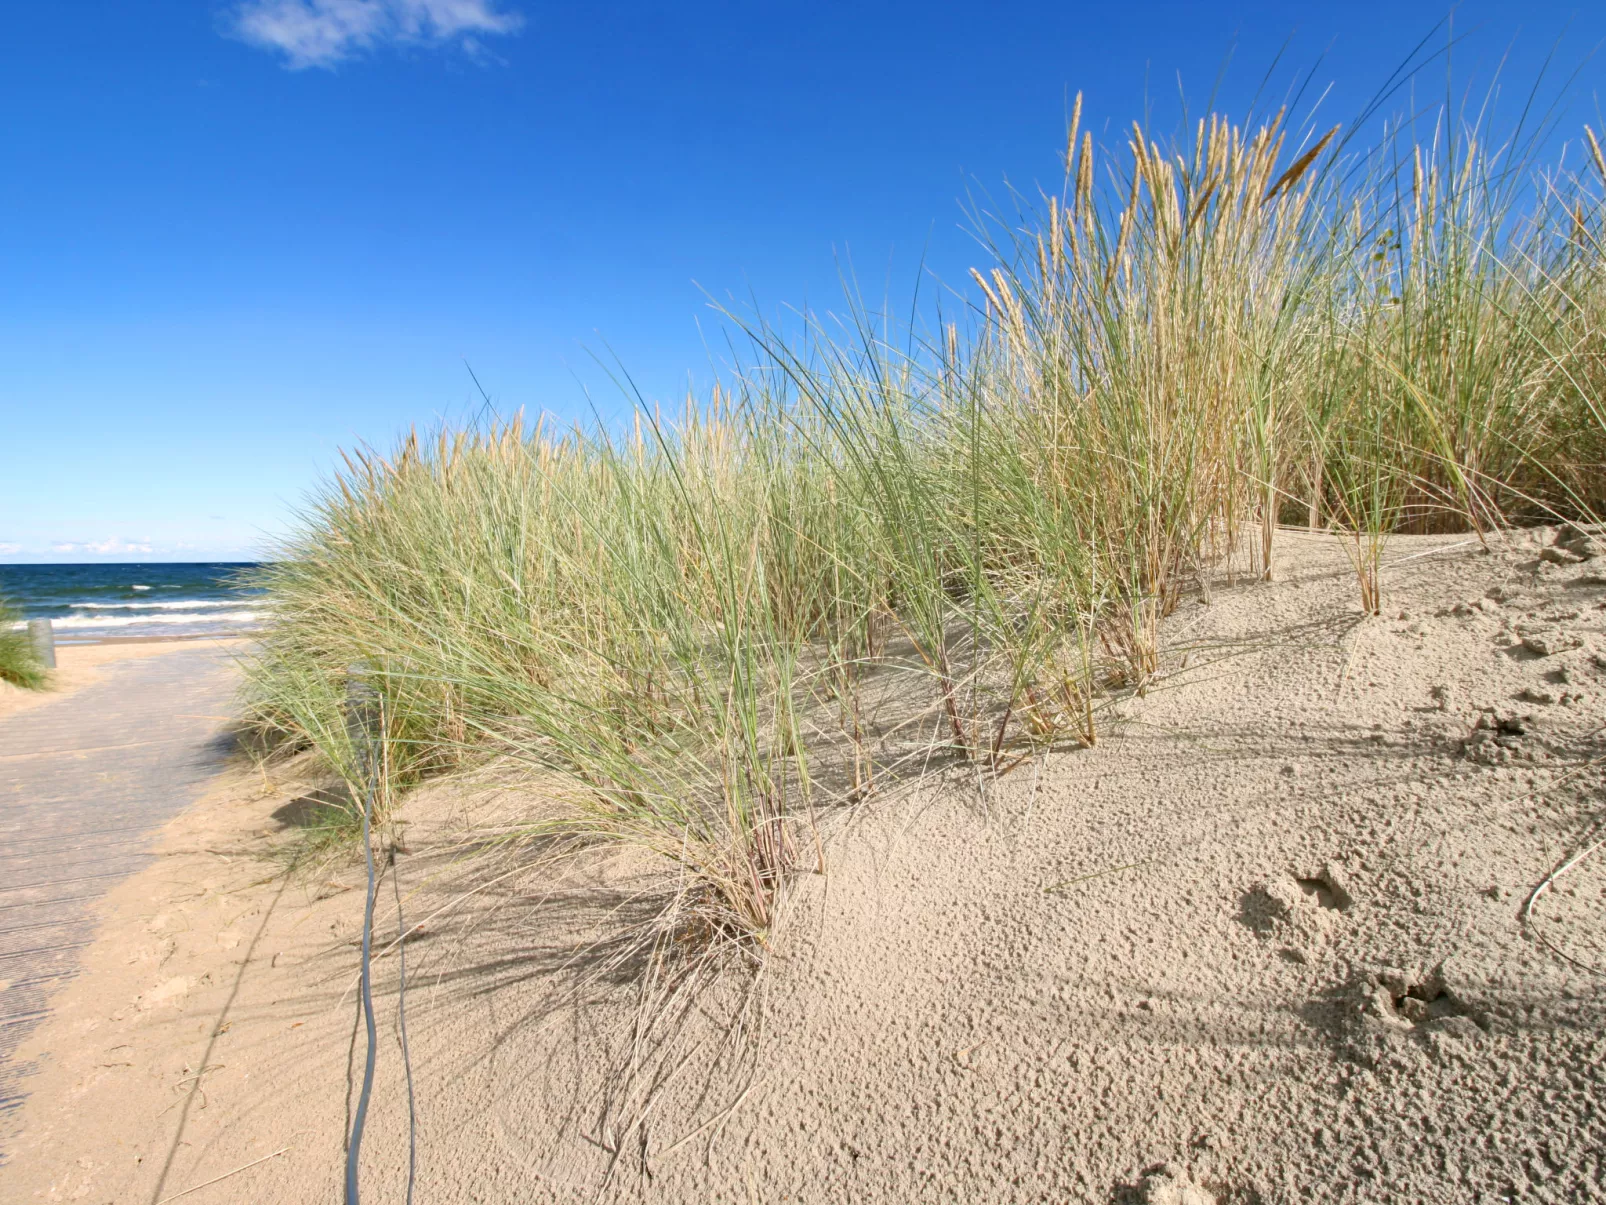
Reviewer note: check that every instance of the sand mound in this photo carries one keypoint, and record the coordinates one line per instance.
(1270, 941)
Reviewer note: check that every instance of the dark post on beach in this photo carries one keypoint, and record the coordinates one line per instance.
(362, 712)
(43, 637)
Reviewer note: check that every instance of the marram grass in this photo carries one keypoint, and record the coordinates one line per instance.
(18, 665)
(861, 554)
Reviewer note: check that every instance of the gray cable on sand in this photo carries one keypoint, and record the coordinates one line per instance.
(401, 1010)
(359, 697)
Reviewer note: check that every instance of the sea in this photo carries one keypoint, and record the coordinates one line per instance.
(88, 603)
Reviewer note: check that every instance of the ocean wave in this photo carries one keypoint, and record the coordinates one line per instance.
(179, 605)
(210, 619)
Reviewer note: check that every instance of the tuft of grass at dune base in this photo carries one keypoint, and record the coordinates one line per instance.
(873, 549)
(18, 665)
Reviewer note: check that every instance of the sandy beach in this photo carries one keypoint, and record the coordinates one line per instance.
(1277, 939)
(80, 663)
(1014, 616)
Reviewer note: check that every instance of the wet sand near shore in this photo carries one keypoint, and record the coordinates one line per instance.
(76, 641)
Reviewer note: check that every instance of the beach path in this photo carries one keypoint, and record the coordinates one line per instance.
(85, 780)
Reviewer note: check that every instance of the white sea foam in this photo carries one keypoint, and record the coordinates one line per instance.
(209, 619)
(192, 605)
(142, 587)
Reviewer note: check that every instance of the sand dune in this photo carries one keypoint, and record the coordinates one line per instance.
(1275, 939)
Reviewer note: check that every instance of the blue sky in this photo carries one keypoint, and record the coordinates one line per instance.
(236, 237)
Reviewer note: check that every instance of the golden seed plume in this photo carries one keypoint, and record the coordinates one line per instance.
(1203, 200)
(1070, 139)
(986, 288)
(1594, 149)
(1140, 154)
(1084, 173)
(1297, 169)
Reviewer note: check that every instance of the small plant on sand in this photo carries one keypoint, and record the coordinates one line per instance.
(18, 665)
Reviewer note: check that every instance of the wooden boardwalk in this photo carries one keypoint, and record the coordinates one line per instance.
(84, 782)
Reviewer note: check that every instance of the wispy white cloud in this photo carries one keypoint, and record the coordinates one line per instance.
(10, 549)
(321, 33)
(107, 547)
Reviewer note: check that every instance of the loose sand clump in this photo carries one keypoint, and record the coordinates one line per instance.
(1298, 911)
(1170, 1185)
(1275, 939)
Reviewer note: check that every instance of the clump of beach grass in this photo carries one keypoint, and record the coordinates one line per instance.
(871, 550)
(18, 663)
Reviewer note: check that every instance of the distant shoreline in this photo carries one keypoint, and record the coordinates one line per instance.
(97, 604)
